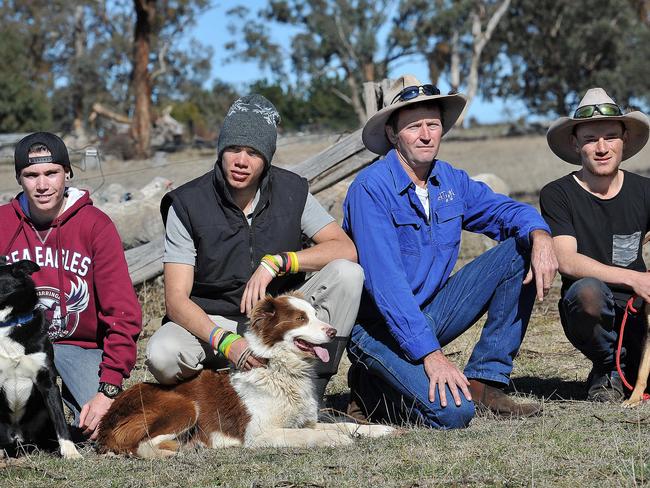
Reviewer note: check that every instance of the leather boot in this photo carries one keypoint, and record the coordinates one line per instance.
(490, 398)
(354, 409)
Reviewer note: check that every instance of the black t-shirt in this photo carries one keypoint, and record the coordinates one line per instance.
(610, 231)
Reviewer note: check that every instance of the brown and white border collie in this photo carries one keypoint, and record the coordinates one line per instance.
(272, 406)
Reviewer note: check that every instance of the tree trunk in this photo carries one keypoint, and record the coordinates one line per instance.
(437, 60)
(480, 38)
(454, 68)
(141, 125)
(369, 71)
(79, 38)
(355, 98)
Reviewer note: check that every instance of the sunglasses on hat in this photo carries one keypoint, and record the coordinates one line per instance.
(606, 109)
(411, 92)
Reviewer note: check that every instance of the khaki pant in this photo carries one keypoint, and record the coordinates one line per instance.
(174, 354)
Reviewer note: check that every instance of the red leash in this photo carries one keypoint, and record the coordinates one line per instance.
(628, 308)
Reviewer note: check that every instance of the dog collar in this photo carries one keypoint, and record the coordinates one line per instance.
(19, 320)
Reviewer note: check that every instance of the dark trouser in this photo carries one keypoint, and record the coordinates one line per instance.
(591, 318)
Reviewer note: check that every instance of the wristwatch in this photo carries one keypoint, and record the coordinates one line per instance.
(111, 391)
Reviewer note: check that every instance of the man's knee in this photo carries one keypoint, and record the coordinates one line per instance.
(163, 360)
(451, 416)
(589, 296)
(346, 274)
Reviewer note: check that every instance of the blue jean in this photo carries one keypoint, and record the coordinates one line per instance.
(79, 372)
(591, 318)
(491, 282)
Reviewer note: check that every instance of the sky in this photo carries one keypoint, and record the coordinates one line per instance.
(212, 29)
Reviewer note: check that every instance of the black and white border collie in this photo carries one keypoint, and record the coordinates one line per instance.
(31, 411)
(272, 406)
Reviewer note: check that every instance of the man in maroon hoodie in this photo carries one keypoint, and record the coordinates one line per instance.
(83, 284)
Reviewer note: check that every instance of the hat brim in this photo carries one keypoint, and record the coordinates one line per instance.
(374, 132)
(560, 132)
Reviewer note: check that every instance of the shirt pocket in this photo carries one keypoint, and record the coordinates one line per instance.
(625, 248)
(449, 223)
(408, 229)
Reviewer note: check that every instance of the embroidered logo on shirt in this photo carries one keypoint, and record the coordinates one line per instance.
(446, 196)
(50, 302)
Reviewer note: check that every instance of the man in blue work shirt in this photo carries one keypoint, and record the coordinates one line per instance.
(405, 213)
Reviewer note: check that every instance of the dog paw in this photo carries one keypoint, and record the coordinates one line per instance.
(375, 430)
(69, 450)
(631, 403)
(341, 440)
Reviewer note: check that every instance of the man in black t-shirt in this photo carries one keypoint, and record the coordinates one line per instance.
(599, 216)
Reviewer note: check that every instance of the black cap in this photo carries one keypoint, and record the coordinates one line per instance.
(58, 151)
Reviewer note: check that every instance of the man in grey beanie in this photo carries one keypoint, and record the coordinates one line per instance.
(247, 210)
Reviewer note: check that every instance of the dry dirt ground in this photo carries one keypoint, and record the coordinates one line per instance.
(574, 442)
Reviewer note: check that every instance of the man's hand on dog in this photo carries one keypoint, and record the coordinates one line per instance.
(92, 412)
(641, 285)
(443, 372)
(255, 289)
(238, 348)
(543, 263)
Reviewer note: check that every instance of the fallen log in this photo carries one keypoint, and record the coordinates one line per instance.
(145, 262)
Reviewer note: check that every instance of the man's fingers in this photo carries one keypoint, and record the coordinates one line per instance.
(442, 392)
(464, 388)
(529, 276)
(432, 390)
(242, 305)
(82, 416)
(453, 386)
(539, 284)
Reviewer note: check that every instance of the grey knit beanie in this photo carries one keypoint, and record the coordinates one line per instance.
(251, 121)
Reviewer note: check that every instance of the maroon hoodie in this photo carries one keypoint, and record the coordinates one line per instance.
(81, 254)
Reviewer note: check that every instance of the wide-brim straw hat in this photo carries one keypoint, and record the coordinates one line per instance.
(374, 132)
(560, 132)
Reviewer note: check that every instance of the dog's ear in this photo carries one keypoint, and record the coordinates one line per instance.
(23, 268)
(3, 260)
(264, 309)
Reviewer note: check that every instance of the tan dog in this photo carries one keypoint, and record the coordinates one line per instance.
(636, 398)
(272, 406)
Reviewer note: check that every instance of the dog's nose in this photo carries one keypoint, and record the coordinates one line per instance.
(330, 331)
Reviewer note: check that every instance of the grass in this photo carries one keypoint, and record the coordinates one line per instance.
(574, 442)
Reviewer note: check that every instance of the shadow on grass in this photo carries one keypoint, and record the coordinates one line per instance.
(550, 388)
(554, 388)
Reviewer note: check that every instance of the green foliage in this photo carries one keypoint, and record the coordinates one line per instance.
(314, 107)
(203, 110)
(554, 50)
(24, 105)
(329, 38)
(61, 56)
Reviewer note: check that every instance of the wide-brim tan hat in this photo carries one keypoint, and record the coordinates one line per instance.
(374, 132)
(560, 132)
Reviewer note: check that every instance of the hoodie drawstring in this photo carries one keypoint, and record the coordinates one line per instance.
(63, 303)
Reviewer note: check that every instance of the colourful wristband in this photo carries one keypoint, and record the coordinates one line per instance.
(269, 268)
(293, 257)
(226, 342)
(215, 336)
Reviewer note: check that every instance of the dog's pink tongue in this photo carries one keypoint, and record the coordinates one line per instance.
(322, 353)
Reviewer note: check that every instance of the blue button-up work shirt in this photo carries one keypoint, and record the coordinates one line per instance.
(408, 258)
